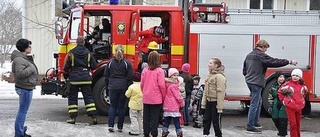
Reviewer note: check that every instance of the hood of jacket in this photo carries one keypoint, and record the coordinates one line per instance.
(16, 54)
(80, 51)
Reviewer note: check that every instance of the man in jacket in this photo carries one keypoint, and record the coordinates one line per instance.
(254, 68)
(25, 73)
(78, 64)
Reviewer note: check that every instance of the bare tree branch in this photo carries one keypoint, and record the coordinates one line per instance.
(10, 27)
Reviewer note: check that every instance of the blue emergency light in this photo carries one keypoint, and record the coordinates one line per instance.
(114, 2)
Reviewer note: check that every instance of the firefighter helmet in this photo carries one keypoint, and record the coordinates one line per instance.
(153, 45)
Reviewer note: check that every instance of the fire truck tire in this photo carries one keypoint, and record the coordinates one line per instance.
(265, 100)
(100, 98)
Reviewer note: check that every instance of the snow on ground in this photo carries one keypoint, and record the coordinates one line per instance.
(7, 91)
(44, 128)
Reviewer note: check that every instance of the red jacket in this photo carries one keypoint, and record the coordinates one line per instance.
(148, 36)
(292, 94)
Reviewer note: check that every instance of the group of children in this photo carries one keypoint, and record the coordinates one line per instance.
(173, 103)
(288, 101)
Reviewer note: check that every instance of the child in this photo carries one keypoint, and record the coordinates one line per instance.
(196, 97)
(291, 93)
(279, 116)
(213, 97)
(173, 102)
(135, 104)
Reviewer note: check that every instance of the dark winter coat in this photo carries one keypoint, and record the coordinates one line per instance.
(78, 64)
(188, 80)
(24, 71)
(255, 66)
(118, 74)
(278, 109)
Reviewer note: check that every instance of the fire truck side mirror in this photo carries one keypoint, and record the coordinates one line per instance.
(58, 30)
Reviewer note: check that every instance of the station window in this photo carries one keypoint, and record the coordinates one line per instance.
(314, 5)
(261, 4)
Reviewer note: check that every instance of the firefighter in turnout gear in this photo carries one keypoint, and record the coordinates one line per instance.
(78, 64)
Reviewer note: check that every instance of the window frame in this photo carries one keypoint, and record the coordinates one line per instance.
(274, 4)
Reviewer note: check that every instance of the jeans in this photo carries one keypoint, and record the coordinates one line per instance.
(186, 110)
(117, 102)
(255, 106)
(25, 97)
(167, 121)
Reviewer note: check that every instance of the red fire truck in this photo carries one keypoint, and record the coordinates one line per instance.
(208, 30)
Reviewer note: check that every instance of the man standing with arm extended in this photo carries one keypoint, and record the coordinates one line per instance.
(254, 68)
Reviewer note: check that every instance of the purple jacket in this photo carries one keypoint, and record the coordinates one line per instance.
(153, 86)
(173, 99)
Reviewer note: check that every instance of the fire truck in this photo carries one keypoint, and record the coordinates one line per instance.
(196, 33)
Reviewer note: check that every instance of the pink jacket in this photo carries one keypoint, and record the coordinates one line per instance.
(153, 86)
(173, 99)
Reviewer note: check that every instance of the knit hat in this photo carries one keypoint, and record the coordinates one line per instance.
(172, 71)
(297, 72)
(23, 44)
(185, 67)
(159, 30)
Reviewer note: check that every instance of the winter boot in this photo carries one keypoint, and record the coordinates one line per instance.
(94, 120)
(165, 134)
(24, 131)
(71, 121)
(179, 134)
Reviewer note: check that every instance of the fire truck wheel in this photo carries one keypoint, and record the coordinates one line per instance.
(100, 97)
(265, 98)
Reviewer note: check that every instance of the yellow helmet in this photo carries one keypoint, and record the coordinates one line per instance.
(153, 45)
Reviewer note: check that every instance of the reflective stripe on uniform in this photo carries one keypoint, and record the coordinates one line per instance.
(80, 82)
(90, 105)
(88, 60)
(91, 109)
(73, 110)
(72, 106)
(72, 60)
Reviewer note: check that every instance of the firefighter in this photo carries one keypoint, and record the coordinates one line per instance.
(78, 64)
(153, 34)
(144, 56)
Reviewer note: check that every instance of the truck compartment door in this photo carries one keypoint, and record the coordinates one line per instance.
(232, 50)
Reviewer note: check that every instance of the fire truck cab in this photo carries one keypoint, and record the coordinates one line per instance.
(126, 22)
